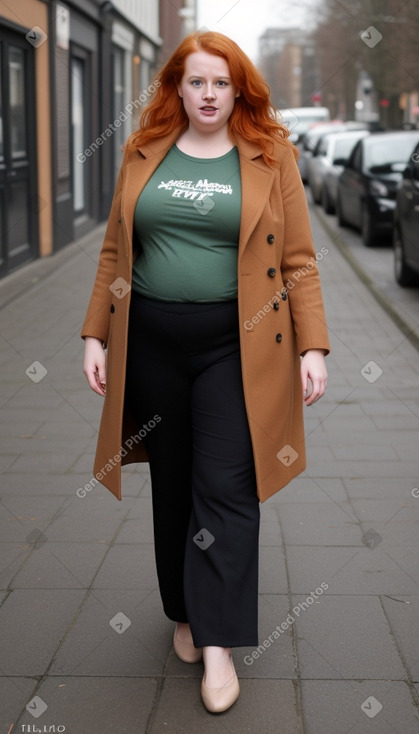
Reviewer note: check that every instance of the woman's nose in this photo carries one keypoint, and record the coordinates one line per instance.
(209, 92)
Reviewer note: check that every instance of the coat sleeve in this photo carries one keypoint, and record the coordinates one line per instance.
(299, 266)
(97, 318)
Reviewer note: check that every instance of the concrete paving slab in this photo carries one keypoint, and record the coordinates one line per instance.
(358, 467)
(54, 565)
(118, 632)
(103, 705)
(268, 706)
(358, 707)
(128, 566)
(382, 487)
(305, 489)
(345, 637)
(87, 518)
(32, 623)
(15, 691)
(326, 523)
(274, 656)
(20, 516)
(270, 529)
(12, 558)
(347, 570)
(44, 462)
(386, 510)
(136, 530)
(272, 570)
(39, 485)
(402, 614)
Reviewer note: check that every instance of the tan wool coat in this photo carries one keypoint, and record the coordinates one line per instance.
(281, 312)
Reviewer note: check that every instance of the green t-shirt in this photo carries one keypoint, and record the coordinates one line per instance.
(187, 221)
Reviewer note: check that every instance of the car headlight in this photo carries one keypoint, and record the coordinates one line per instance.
(377, 188)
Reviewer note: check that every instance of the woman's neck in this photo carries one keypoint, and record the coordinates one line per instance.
(205, 145)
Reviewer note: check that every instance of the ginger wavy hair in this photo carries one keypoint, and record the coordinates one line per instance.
(253, 116)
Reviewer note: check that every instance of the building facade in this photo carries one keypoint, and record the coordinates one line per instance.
(74, 76)
(287, 61)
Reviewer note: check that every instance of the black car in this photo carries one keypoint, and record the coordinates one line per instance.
(406, 224)
(366, 194)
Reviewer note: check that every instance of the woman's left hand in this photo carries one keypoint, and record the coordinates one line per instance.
(313, 369)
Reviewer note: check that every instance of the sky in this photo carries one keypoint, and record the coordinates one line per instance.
(245, 20)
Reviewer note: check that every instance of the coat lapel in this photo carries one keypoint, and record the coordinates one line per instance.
(139, 170)
(256, 181)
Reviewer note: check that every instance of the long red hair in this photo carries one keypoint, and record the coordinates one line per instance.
(252, 116)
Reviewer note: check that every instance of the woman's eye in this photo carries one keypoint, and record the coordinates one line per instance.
(196, 83)
(221, 83)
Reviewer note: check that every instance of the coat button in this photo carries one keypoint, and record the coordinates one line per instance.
(284, 295)
(279, 337)
(276, 305)
(271, 272)
(270, 238)
(112, 308)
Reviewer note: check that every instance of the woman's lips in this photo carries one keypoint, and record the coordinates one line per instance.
(208, 110)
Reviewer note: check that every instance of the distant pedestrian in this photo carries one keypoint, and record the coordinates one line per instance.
(207, 298)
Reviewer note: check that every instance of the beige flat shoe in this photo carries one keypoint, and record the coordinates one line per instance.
(217, 700)
(186, 651)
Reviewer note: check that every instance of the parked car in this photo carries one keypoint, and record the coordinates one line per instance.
(298, 120)
(406, 224)
(309, 140)
(330, 155)
(366, 194)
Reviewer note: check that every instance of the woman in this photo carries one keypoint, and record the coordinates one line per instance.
(208, 301)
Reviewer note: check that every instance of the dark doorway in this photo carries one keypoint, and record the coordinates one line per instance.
(19, 203)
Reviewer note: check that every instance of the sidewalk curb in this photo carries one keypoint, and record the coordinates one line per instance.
(385, 304)
(30, 275)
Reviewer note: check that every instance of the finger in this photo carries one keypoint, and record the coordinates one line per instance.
(100, 381)
(319, 388)
(304, 376)
(314, 395)
(92, 378)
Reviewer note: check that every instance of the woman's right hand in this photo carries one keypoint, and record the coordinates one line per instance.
(94, 365)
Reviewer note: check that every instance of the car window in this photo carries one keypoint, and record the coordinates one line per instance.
(323, 146)
(344, 147)
(385, 154)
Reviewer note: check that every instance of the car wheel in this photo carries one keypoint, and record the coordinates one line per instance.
(339, 213)
(404, 274)
(368, 231)
(326, 201)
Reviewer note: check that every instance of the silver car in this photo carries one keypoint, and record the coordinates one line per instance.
(309, 141)
(327, 162)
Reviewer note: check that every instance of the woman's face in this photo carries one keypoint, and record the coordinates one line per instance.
(207, 91)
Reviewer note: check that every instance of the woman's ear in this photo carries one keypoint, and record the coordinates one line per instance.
(238, 94)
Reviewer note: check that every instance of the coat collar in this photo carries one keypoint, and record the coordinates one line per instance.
(256, 179)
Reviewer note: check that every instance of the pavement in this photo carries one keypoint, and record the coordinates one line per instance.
(85, 646)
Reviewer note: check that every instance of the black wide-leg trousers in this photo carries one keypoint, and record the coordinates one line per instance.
(183, 367)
